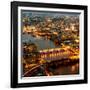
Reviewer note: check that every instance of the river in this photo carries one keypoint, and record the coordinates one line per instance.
(40, 42)
(66, 70)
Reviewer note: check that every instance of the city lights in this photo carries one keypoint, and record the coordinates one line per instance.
(50, 44)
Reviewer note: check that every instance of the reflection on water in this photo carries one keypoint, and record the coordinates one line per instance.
(66, 70)
(60, 70)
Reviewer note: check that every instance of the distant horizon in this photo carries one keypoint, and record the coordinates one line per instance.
(47, 13)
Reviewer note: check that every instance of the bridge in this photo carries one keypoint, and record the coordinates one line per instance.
(54, 55)
(59, 54)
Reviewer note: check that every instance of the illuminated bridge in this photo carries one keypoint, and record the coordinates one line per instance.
(65, 54)
(59, 54)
